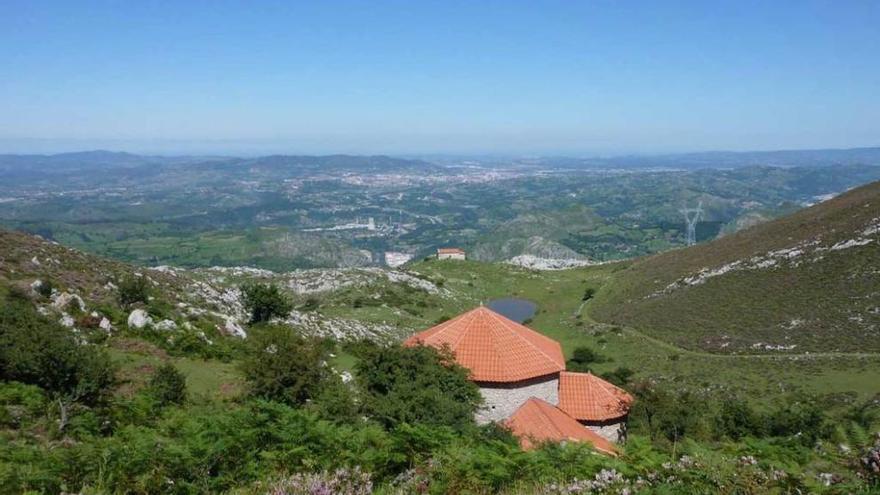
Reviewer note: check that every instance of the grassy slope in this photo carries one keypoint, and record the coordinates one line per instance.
(558, 295)
(561, 316)
(820, 305)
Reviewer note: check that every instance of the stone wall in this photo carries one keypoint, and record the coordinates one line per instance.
(501, 400)
(613, 430)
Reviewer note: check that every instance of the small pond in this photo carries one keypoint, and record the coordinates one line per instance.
(518, 310)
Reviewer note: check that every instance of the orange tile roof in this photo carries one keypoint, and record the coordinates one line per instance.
(587, 397)
(494, 348)
(450, 251)
(538, 421)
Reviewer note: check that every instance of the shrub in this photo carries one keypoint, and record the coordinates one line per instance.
(799, 417)
(620, 376)
(45, 288)
(588, 294)
(168, 385)
(736, 419)
(133, 289)
(583, 358)
(265, 301)
(284, 366)
(416, 385)
(37, 351)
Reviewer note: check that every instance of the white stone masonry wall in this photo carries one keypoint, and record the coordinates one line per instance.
(501, 400)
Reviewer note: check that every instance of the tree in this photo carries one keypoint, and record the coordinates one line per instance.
(736, 419)
(38, 351)
(133, 289)
(284, 366)
(416, 385)
(619, 376)
(265, 301)
(168, 385)
(583, 358)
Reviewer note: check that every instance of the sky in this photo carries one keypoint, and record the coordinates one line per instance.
(410, 77)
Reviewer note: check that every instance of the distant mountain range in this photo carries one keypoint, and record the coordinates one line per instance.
(101, 159)
(725, 159)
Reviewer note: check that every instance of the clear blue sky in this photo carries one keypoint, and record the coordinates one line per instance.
(409, 77)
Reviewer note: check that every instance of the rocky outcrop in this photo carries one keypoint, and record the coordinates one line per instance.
(138, 319)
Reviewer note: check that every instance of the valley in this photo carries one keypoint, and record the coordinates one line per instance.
(771, 319)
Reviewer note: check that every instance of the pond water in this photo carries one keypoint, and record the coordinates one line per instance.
(518, 310)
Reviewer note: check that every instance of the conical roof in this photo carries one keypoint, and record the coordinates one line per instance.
(494, 348)
(539, 421)
(587, 397)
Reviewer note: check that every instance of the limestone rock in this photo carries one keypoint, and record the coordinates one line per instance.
(166, 325)
(234, 329)
(139, 319)
(66, 320)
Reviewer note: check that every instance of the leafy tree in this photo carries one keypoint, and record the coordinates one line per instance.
(799, 417)
(667, 415)
(265, 301)
(619, 376)
(133, 289)
(736, 419)
(416, 385)
(284, 366)
(168, 385)
(336, 401)
(38, 351)
(583, 358)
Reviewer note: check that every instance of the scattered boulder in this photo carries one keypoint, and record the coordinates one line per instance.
(166, 325)
(234, 329)
(63, 300)
(67, 320)
(105, 325)
(139, 319)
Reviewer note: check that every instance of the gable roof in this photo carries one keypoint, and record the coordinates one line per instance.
(494, 348)
(450, 251)
(587, 397)
(538, 421)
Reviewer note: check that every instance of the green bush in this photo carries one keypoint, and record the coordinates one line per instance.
(168, 385)
(265, 301)
(583, 358)
(37, 351)
(284, 366)
(133, 289)
(416, 385)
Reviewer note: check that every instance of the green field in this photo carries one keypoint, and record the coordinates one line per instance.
(560, 315)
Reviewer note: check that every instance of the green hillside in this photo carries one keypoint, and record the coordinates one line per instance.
(807, 282)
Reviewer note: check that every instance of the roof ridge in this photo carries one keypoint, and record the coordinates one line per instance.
(515, 333)
(465, 331)
(448, 324)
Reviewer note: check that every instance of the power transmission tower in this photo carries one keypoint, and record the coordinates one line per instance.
(691, 218)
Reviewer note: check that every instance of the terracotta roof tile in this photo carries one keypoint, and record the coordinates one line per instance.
(538, 421)
(587, 397)
(494, 348)
(450, 251)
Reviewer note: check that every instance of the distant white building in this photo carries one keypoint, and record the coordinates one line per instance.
(450, 254)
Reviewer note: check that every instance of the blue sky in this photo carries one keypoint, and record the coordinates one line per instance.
(592, 77)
